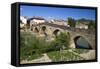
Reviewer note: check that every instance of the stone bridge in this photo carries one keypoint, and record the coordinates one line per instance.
(75, 33)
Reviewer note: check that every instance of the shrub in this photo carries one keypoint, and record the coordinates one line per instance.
(31, 46)
(28, 45)
(63, 40)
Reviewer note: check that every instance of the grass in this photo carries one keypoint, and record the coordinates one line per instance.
(30, 56)
(80, 51)
(63, 56)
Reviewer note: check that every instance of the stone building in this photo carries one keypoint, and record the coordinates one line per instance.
(82, 26)
(23, 21)
(35, 21)
(59, 22)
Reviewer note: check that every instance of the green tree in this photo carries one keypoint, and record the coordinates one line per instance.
(71, 22)
(91, 25)
(63, 40)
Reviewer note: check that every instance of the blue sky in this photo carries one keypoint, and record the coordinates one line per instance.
(57, 13)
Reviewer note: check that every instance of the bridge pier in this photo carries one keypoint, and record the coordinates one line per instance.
(72, 44)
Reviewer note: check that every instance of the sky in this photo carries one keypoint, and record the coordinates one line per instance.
(56, 13)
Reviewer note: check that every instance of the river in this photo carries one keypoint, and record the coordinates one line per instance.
(82, 43)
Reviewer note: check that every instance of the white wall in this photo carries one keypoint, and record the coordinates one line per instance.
(23, 19)
(38, 21)
(5, 36)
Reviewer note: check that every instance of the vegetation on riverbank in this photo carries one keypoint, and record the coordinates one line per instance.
(64, 55)
(32, 48)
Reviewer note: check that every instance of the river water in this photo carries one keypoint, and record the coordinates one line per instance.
(82, 43)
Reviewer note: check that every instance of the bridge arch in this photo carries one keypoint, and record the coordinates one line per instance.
(43, 28)
(81, 42)
(56, 32)
(36, 30)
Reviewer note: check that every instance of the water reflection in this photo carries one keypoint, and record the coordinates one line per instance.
(80, 42)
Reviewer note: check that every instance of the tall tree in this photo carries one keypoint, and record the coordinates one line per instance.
(91, 25)
(71, 22)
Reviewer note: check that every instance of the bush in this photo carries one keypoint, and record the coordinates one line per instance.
(63, 40)
(31, 46)
(28, 45)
